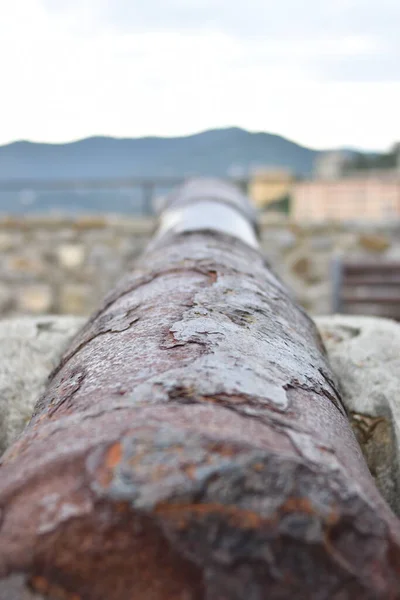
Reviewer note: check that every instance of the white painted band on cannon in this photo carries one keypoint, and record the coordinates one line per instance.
(208, 214)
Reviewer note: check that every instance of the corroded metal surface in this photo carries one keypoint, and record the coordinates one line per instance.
(192, 445)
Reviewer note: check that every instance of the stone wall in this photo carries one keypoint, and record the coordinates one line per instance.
(63, 266)
(302, 253)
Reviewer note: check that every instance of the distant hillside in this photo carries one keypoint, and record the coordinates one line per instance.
(212, 152)
(219, 152)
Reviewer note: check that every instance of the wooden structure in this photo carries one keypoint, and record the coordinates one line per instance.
(366, 287)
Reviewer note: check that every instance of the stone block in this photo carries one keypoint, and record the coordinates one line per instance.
(35, 299)
(23, 265)
(6, 298)
(76, 299)
(9, 240)
(321, 243)
(71, 256)
(346, 241)
(301, 266)
(365, 354)
(30, 348)
(374, 242)
(280, 239)
(90, 222)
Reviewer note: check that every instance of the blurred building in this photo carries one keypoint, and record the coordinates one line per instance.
(396, 150)
(363, 197)
(350, 186)
(267, 186)
(331, 165)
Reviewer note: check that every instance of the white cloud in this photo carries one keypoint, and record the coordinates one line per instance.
(71, 73)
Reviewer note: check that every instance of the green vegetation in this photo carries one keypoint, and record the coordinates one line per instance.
(366, 162)
(282, 205)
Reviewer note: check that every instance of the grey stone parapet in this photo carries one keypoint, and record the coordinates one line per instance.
(64, 265)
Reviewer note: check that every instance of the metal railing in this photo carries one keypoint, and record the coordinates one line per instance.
(144, 191)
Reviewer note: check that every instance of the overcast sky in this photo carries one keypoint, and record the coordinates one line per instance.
(322, 73)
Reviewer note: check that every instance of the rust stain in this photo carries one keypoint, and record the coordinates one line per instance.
(213, 276)
(298, 504)
(58, 593)
(210, 399)
(135, 461)
(190, 471)
(333, 517)
(122, 507)
(54, 591)
(222, 449)
(40, 584)
(258, 467)
(184, 512)
(113, 456)
(159, 472)
(224, 398)
(304, 505)
(112, 459)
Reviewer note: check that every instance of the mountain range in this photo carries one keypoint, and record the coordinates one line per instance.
(213, 152)
(217, 152)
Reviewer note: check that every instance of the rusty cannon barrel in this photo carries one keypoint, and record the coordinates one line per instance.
(192, 443)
